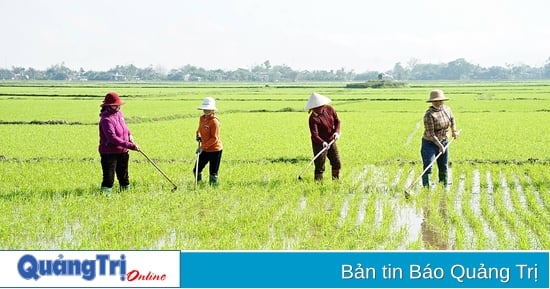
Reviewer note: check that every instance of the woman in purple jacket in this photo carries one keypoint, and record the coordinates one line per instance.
(114, 142)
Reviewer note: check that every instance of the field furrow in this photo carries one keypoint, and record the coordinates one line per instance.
(498, 196)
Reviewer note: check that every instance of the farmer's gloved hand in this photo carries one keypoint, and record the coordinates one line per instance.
(198, 151)
(336, 136)
(325, 144)
(454, 134)
(441, 148)
(131, 138)
(137, 148)
(198, 138)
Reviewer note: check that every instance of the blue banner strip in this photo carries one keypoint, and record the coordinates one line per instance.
(364, 269)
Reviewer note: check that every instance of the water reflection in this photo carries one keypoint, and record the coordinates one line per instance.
(433, 235)
(422, 222)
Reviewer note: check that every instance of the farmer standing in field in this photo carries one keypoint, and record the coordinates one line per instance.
(438, 119)
(208, 136)
(114, 142)
(324, 126)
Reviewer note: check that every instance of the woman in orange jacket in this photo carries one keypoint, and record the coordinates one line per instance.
(208, 136)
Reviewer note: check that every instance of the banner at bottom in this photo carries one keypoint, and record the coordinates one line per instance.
(364, 269)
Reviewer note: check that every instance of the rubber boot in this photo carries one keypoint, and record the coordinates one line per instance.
(426, 181)
(124, 188)
(213, 180)
(318, 177)
(443, 178)
(335, 174)
(107, 191)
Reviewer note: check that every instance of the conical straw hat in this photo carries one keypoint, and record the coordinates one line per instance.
(316, 100)
(436, 95)
(208, 103)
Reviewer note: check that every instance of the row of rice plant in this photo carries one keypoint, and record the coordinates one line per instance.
(499, 199)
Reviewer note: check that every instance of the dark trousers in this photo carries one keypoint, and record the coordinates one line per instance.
(428, 151)
(214, 158)
(332, 155)
(115, 163)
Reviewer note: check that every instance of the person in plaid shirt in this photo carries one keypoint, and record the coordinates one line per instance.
(438, 120)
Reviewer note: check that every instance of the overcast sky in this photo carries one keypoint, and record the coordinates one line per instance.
(362, 35)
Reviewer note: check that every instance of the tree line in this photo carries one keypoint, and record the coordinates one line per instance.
(458, 69)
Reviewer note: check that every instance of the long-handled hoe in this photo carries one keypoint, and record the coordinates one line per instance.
(314, 158)
(197, 165)
(407, 190)
(158, 169)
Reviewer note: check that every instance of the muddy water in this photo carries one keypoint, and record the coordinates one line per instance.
(168, 241)
(417, 221)
(475, 206)
(410, 218)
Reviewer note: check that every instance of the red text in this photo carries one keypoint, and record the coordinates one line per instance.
(134, 275)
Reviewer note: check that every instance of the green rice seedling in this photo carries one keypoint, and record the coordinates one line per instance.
(506, 212)
(469, 204)
(51, 172)
(487, 206)
(440, 218)
(533, 196)
(454, 203)
(516, 196)
(539, 230)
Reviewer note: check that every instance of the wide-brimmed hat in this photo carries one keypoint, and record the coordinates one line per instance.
(112, 98)
(316, 100)
(436, 95)
(208, 103)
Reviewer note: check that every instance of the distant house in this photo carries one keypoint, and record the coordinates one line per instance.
(384, 76)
